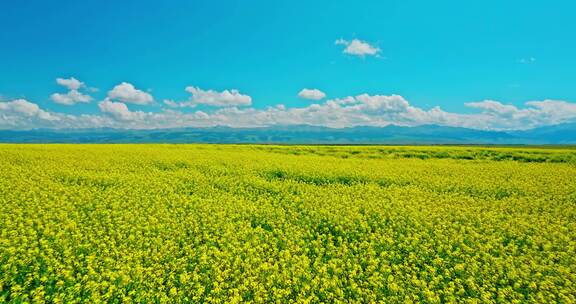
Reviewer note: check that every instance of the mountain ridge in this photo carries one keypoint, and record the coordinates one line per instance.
(561, 134)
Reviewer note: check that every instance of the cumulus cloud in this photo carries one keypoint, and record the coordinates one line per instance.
(343, 101)
(358, 47)
(382, 110)
(126, 92)
(122, 117)
(73, 96)
(22, 106)
(20, 113)
(173, 104)
(225, 98)
(183, 104)
(70, 98)
(382, 103)
(70, 83)
(313, 94)
(493, 107)
(349, 111)
(119, 110)
(534, 114)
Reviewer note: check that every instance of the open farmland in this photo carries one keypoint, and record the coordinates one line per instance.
(229, 223)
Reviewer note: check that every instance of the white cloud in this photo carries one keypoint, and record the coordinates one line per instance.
(382, 103)
(20, 113)
(70, 83)
(494, 107)
(225, 98)
(126, 92)
(313, 94)
(551, 111)
(119, 110)
(359, 110)
(70, 98)
(20, 106)
(73, 96)
(183, 104)
(535, 114)
(358, 47)
(343, 101)
(171, 103)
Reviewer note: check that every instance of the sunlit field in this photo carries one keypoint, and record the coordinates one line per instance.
(309, 224)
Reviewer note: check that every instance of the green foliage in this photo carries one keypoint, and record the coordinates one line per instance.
(309, 224)
(541, 155)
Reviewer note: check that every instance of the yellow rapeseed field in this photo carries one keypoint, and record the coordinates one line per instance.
(285, 224)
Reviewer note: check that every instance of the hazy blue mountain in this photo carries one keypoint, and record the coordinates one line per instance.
(301, 134)
(558, 134)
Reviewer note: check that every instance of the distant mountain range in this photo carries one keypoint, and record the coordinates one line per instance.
(302, 134)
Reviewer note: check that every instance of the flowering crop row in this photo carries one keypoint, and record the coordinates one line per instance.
(272, 224)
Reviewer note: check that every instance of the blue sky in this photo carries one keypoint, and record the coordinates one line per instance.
(455, 55)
